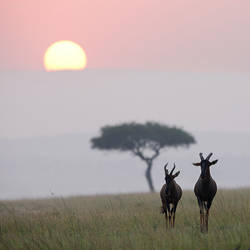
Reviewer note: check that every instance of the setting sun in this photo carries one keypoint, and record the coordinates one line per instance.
(64, 55)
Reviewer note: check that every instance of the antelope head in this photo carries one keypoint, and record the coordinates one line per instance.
(169, 177)
(205, 164)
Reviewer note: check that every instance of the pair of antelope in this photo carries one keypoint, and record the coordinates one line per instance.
(204, 189)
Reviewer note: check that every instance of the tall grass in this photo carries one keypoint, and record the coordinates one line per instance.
(130, 221)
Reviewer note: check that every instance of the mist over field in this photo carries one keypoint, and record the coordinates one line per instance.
(66, 165)
(47, 121)
(148, 78)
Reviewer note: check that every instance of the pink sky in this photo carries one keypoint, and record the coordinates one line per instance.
(189, 35)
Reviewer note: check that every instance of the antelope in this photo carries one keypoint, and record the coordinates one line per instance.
(205, 189)
(170, 193)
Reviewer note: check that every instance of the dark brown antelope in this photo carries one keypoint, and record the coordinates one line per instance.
(205, 190)
(170, 193)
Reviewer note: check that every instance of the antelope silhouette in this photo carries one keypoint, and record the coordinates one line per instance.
(205, 190)
(170, 193)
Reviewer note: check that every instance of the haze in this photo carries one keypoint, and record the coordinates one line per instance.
(37, 104)
(183, 63)
(48, 119)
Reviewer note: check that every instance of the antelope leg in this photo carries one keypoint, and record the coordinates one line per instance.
(166, 217)
(209, 203)
(169, 215)
(207, 214)
(201, 205)
(174, 218)
(173, 214)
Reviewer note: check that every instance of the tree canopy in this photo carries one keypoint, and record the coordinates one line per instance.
(139, 138)
(130, 136)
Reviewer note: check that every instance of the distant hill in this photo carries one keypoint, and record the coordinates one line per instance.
(66, 165)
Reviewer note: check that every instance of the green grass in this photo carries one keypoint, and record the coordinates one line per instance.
(130, 221)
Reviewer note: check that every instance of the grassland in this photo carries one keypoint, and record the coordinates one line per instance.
(130, 221)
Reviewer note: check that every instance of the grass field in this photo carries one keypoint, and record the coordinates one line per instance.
(130, 221)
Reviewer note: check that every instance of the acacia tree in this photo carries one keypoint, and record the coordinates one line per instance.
(143, 140)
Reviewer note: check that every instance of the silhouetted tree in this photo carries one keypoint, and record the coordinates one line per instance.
(142, 138)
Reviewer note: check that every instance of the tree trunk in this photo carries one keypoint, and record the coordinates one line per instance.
(148, 175)
(149, 162)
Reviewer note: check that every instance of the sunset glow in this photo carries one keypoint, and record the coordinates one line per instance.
(64, 55)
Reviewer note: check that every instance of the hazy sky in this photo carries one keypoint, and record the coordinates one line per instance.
(187, 35)
(183, 62)
(41, 103)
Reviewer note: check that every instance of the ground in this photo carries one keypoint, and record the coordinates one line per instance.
(131, 221)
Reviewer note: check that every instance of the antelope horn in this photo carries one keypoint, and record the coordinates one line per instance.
(201, 156)
(209, 156)
(172, 170)
(165, 168)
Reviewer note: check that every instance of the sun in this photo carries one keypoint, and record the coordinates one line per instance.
(65, 55)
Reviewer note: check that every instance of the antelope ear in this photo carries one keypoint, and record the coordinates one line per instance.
(176, 174)
(197, 164)
(213, 162)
